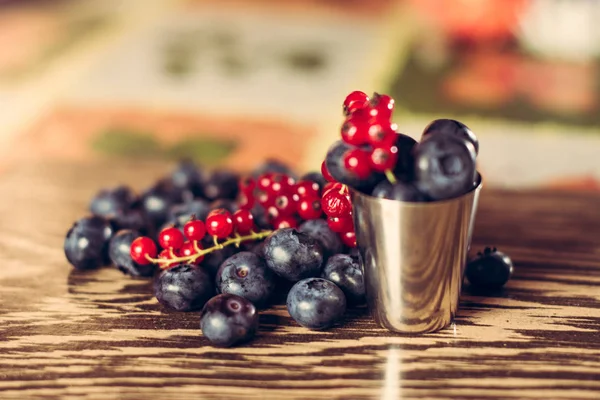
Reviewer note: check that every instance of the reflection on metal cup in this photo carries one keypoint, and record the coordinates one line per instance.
(414, 256)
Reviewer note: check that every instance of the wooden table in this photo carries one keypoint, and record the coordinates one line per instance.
(99, 334)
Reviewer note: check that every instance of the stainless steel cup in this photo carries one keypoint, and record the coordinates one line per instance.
(414, 256)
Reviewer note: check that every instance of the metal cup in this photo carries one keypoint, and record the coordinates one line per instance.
(414, 257)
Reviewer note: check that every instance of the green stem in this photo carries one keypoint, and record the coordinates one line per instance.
(390, 176)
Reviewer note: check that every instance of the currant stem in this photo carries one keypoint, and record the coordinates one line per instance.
(390, 176)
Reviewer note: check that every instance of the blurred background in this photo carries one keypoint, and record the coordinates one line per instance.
(233, 82)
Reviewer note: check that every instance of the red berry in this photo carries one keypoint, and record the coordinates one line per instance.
(166, 255)
(384, 158)
(264, 181)
(310, 208)
(247, 185)
(381, 133)
(219, 223)
(170, 238)
(194, 229)
(281, 184)
(285, 222)
(332, 186)
(356, 161)
(326, 173)
(188, 249)
(336, 204)
(349, 238)
(340, 224)
(354, 101)
(245, 201)
(355, 131)
(307, 189)
(141, 248)
(263, 197)
(381, 106)
(285, 204)
(243, 221)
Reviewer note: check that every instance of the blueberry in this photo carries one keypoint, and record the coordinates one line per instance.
(346, 272)
(261, 218)
(108, 203)
(157, 201)
(293, 255)
(188, 176)
(118, 251)
(273, 166)
(400, 191)
(86, 243)
(184, 287)
(335, 165)
(490, 269)
(228, 204)
(405, 166)
(319, 230)
(133, 219)
(179, 214)
(228, 319)
(453, 128)
(316, 303)
(221, 184)
(246, 275)
(212, 261)
(444, 166)
(315, 176)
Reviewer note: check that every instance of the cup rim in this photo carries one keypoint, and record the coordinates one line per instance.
(435, 203)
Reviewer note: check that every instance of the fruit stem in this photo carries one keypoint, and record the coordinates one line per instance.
(390, 176)
(165, 264)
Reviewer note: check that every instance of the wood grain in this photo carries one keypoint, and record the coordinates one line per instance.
(99, 334)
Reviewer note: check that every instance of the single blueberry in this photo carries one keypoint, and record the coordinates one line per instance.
(490, 269)
(335, 165)
(184, 287)
(405, 166)
(179, 214)
(108, 203)
(273, 166)
(347, 273)
(246, 275)
(228, 319)
(319, 230)
(86, 243)
(133, 219)
(212, 261)
(316, 303)
(220, 184)
(188, 176)
(119, 253)
(315, 176)
(293, 255)
(453, 128)
(444, 166)
(157, 201)
(261, 218)
(400, 191)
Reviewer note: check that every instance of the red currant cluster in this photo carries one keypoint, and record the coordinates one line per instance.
(368, 128)
(284, 200)
(337, 206)
(220, 225)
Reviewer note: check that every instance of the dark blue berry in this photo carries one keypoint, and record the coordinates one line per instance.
(444, 166)
(315, 176)
(347, 273)
(261, 218)
(86, 243)
(118, 251)
(184, 287)
(335, 165)
(453, 128)
(319, 230)
(273, 166)
(293, 255)
(227, 204)
(400, 191)
(179, 214)
(221, 184)
(405, 166)
(490, 269)
(212, 261)
(133, 219)
(246, 275)
(316, 303)
(108, 203)
(188, 176)
(228, 319)
(157, 201)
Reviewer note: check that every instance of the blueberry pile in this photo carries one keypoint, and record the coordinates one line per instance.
(230, 245)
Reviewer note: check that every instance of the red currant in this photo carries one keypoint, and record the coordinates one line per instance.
(356, 161)
(141, 248)
(264, 181)
(272, 213)
(336, 204)
(166, 255)
(325, 173)
(285, 204)
(332, 186)
(188, 249)
(384, 158)
(247, 185)
(280, 184)
(285, 222)
(219, 223)
(382, 106)
(170, 238)
(355, 131)
(244, 221)
(310, 208)
(354, 101)
(263, 197)
(307, 189)
(340, 224)
(349, 238)
(245, 201)
(194, 229)
(381, 132)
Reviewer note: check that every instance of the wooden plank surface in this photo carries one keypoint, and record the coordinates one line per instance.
(99, 334)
